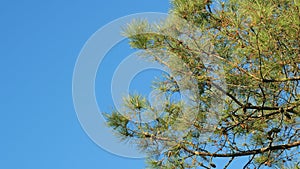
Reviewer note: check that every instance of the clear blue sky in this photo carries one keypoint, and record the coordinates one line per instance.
(40, 42)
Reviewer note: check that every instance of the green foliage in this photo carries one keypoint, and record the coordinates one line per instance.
(237, 62)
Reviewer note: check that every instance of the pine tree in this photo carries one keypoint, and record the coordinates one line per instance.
(237, 64)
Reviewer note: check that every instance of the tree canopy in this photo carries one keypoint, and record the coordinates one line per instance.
(233, 88)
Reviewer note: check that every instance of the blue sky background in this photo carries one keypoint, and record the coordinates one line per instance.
(40, 42)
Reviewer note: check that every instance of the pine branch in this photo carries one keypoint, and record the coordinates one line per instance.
(245, 153)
